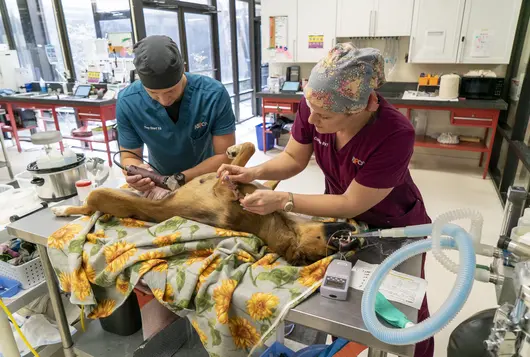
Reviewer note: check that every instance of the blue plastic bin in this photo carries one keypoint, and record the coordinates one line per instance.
(276, 349)
(310, 351)
(10, 287)
(269, 137)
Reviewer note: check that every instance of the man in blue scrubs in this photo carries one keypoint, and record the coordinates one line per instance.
(185, 120)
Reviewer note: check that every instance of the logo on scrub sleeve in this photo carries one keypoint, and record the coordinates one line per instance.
(357, 161)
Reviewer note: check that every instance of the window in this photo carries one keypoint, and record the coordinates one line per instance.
(3, 37)
(111, 5)
(33, 26)
(225, 42)
(199, 41)
(161, 22)
(81, 27)
(243, 45)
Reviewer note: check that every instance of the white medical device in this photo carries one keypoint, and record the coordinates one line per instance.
(337, 280)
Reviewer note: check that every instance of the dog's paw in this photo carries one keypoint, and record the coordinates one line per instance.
(60, 211)
(232, 151)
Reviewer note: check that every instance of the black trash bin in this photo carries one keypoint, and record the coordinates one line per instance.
(126, 320)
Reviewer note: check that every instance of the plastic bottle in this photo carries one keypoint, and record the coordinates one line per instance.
(69, 156)
(42, 85)
(83, 188)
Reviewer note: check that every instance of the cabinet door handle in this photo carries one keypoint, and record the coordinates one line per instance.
(294, 51)
(370, 25)
(472, 119)
(462, 48)
(375, 23)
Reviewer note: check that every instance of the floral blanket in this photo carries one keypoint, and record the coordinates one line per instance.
(237, 290)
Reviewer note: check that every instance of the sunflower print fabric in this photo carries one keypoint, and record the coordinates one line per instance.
(229, 284)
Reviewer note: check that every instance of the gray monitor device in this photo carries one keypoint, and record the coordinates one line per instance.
(337, 280)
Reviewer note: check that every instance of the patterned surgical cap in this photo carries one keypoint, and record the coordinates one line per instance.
(343, 80)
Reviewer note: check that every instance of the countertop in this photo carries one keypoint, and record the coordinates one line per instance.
(339, 318)
(395, 98)
(52, 99)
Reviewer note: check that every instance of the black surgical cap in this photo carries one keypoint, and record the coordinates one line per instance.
(158, 62)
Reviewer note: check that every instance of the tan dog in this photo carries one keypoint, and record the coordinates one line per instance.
(208, 200)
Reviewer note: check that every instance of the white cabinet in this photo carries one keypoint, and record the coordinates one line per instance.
(436, 31)
(393, 17)
(287, 10)
(488, 30)
(315, 19)
(354, 18)
(361, 18)
(463, 31)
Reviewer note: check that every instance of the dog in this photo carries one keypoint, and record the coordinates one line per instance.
(206, 199)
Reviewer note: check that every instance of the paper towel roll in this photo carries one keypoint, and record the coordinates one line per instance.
(449, 85)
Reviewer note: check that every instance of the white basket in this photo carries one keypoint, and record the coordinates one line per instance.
(28, 274)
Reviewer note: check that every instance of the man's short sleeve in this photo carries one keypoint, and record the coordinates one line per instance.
(225, 121)
(388, 166)
(127, 135)
(302, 130)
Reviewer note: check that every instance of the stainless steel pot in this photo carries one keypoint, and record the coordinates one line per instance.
(57, 184)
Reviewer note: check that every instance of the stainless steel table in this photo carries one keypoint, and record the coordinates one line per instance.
(338, 318)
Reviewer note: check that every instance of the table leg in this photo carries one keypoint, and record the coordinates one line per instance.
(372, 352)
(4, 151)
(57, 303)
(264, 128)
(280, 333)
(9, 346)
(106, 135)
(56, 121)
(11, 116)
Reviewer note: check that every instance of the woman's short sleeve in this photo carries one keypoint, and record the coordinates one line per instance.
(302, 130)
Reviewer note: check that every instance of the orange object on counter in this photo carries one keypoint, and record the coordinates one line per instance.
(434, 80)
(351, 349)
(423, 81)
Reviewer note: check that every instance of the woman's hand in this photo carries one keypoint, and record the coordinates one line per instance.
(235, 173)
(139, 183)
(263, 202)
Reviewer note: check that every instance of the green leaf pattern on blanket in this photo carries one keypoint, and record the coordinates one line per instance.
(211, 271)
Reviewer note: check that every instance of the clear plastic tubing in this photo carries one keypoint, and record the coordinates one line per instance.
(451, 307)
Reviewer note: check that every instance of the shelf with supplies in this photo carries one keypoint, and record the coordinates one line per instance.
(428, 142)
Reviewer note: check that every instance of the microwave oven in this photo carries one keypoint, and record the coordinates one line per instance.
(481, 87)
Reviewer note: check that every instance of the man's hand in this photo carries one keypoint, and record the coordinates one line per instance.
(236, 173)
(139, 183)
(263, 202)
(156, 193)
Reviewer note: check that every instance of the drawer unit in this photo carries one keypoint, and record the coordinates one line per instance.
(473, 117)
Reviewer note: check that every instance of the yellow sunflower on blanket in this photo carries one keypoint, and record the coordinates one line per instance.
(158, 265)
(89, 269)
(199, 256)
(122, 285)
(118, 254)
(64, 235)
(228, 233)
(262, 306)
(105, 218)
(244, 334)
(103, 309)
(151, 255)
(169, 294)
(80, 285)
(169, 239)
(132, 223)
(158, 293)
(207, 268)
(202, 335)
(93, 237)
(65, 280)
(269, 261)
(245, 257)
(222, 295)
(315, 272)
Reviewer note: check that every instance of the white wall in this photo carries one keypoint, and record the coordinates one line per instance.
(438, 121)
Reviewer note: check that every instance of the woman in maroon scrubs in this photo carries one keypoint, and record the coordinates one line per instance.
(362, 144)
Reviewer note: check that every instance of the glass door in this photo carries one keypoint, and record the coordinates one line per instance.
(199, 43)
(246, 86)
(162, 22)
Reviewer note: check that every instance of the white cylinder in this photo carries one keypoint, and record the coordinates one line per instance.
(449, 85)
(83, 187)
(8, 347)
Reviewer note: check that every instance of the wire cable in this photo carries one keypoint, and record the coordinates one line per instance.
(135, 154)
(26, 342)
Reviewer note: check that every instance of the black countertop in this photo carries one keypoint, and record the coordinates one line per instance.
(393, 93)
(52, 99)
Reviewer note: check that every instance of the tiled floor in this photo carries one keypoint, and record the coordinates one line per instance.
(444, 187)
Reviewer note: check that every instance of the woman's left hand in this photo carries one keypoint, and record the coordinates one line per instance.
(263, 202)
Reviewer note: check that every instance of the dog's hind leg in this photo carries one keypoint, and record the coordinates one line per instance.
(240, 154)
(65, 211)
